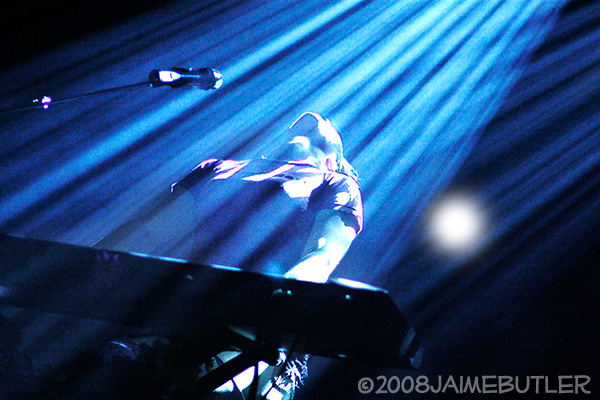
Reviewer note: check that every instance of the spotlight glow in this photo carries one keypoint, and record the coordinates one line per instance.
(456, 224)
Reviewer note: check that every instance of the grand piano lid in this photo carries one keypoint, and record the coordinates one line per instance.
(340, 318)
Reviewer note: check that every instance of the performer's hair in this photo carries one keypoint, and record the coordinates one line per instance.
(328, 139)
(346, 168)
(335, 139)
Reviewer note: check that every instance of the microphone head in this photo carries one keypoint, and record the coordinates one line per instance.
(203, 78)
(219, 79)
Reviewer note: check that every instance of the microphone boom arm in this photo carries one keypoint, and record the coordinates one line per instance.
(186, 76)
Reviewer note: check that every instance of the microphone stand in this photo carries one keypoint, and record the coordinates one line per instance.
(45, 101)
(204, 78)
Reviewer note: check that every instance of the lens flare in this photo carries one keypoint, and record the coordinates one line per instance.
(456, 224)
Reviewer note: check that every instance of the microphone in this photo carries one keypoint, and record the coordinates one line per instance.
(203, 78)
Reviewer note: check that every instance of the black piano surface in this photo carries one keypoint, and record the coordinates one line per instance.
(334, 319)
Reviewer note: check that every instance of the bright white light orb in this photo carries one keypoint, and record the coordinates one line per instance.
(456, 223)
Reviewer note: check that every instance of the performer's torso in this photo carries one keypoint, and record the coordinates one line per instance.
(254, 214)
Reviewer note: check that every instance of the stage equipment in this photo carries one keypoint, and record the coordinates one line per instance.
(202, 78)
(219, 307)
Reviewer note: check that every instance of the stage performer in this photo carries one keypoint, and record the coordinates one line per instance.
(293, 212)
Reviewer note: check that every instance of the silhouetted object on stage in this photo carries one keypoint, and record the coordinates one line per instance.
(216, 306)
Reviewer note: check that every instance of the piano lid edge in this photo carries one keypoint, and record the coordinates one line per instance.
(348, 283)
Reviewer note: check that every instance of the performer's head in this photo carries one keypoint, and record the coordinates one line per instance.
(314, 136)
